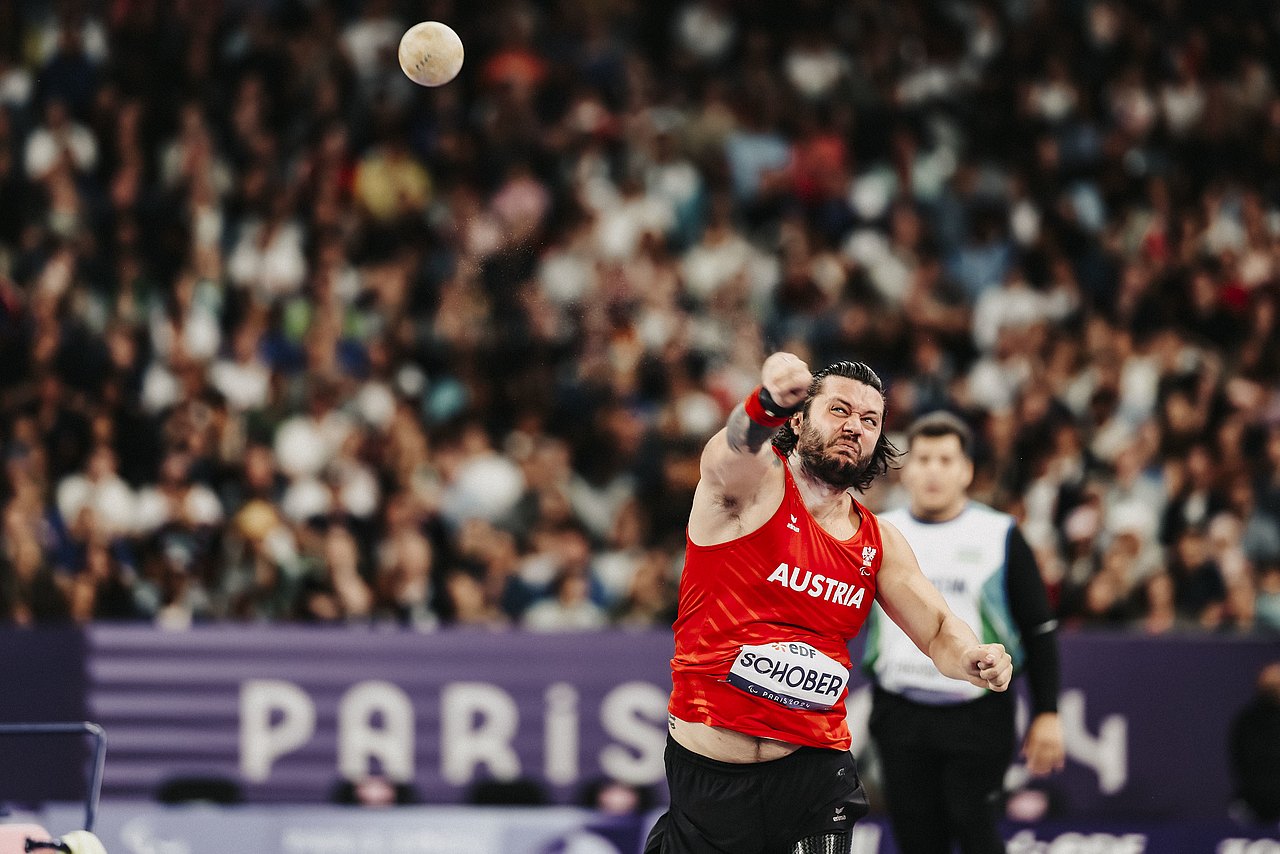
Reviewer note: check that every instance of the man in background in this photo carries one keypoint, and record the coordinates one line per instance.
(945, 744)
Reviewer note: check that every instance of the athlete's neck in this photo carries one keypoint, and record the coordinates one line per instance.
(823, 499)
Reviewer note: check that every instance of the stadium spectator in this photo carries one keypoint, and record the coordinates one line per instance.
(568, 607)
(1199, 591)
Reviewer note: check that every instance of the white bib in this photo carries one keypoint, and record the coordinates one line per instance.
(791, 673)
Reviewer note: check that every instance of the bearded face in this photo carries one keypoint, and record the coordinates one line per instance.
(832, 459)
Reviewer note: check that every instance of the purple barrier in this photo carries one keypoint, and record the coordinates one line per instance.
(287, 712)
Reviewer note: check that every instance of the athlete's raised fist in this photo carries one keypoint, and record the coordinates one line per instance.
(786, 378)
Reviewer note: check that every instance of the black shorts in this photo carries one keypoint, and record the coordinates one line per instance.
(756, 808)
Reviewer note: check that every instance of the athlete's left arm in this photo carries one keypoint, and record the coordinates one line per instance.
(911, 601)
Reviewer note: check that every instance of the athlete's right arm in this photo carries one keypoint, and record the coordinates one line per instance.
(737, 457)
(736, 461)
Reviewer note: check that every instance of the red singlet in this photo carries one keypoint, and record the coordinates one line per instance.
(764, 623)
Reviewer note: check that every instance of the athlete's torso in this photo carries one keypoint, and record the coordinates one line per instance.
(764, 622)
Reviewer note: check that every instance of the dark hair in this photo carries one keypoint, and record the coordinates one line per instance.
(885, 454)
(942, 423)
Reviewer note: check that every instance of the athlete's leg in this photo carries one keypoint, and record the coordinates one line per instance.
(657, 836)
(819, 797)
(681, 835)
(675, 835)
(714, 807)
(826, 843)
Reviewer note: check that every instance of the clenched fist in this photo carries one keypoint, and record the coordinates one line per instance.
(786, 378)
(989, 666)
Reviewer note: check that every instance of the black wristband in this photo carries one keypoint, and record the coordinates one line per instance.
(773, 409)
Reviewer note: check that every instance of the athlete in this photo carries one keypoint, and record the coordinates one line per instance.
(782, 567)
(946, 745)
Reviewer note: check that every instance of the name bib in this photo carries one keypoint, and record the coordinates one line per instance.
(791, 673)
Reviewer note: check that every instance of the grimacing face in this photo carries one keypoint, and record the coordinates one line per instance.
(936, 474)
(838, 433)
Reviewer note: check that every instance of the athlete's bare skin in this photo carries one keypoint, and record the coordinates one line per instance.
(726, 745)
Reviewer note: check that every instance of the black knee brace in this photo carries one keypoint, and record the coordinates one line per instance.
(825, 843)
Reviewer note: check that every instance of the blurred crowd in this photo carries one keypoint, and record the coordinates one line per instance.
(285, 337)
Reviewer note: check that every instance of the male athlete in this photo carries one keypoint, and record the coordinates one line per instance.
(781, 569)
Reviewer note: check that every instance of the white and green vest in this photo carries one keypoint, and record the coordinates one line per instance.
(966, 559)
